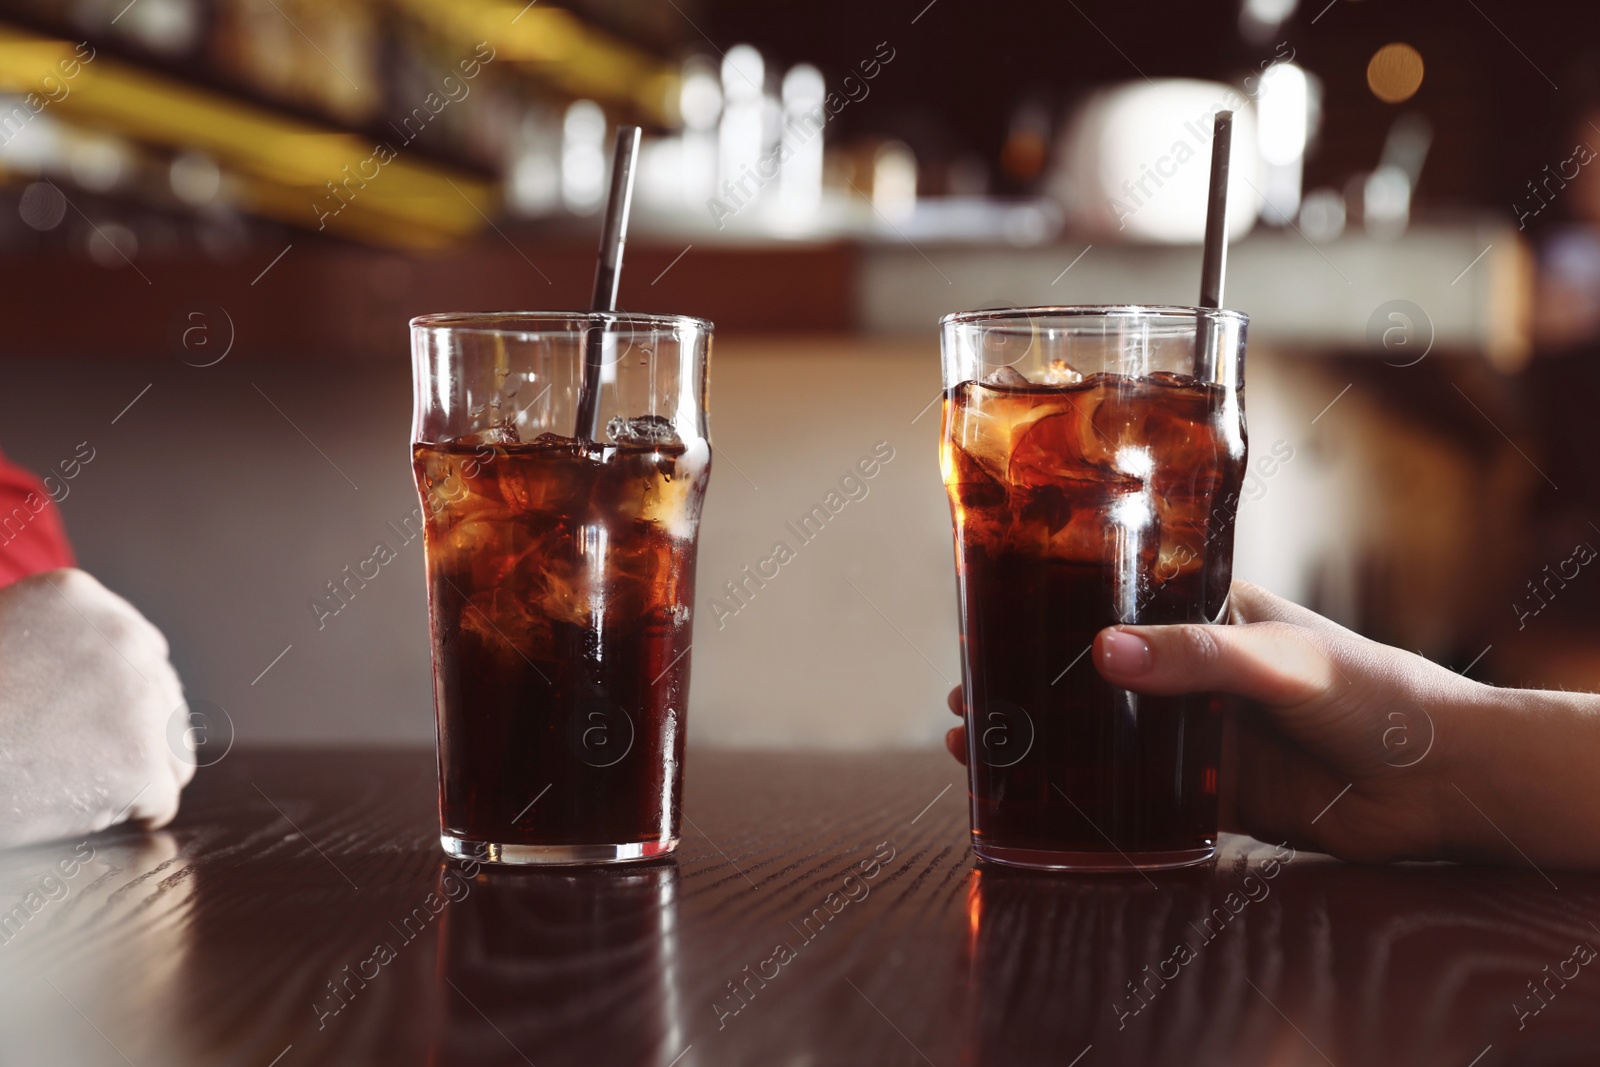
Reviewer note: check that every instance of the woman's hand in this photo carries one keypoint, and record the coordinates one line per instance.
(87, 697)
(1354, 748)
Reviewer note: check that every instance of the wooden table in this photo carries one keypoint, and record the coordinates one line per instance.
(287, 919)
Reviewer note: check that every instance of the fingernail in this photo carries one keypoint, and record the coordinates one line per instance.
(1124, 653)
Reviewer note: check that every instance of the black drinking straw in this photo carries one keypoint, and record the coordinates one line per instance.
(1216, 247)
(1215, 262)
(607, 274)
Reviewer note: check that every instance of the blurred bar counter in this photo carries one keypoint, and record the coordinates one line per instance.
(1464, 288)
(1451, 290)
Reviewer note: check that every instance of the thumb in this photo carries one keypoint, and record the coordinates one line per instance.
(1272, 663)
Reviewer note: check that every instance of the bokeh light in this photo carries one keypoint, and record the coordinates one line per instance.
(1394, 73)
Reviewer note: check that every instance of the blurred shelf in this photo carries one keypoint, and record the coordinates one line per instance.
(274, 165)
(249, 51)
(203, 78)
(340, 117)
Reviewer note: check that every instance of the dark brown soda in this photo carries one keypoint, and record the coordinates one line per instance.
(560, 585)
(1079, 506)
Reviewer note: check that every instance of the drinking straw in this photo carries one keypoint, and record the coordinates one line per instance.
(607, 274)
(1215, 262)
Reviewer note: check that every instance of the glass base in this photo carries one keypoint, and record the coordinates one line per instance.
(1093, 862)
(555, 855)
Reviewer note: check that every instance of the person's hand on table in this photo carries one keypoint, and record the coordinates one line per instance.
(1437, 766)
(86, 696)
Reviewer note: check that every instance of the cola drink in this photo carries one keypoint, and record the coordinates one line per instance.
(561, 587)
(1078, 505)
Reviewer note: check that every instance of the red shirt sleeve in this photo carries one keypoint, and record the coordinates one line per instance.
(32, 536)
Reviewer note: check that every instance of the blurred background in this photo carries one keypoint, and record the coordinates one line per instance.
(216, 217)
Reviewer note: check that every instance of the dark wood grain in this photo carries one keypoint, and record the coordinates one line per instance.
(220, 940)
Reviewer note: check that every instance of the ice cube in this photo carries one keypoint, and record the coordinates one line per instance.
(971, 483)
(456, 485)
(479, 553)
(552, 479)
(507, 625)
(1184, 547)
(986, 423)
(634, 566)
(1086, 537)
(1060, 372)
(1169, 421)
(673, 487)
(1004, 376)
(502, 434)
(653, 430)
(1067, 447)
(559, 590)
(548, 578)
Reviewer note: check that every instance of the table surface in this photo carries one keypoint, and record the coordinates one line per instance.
(300, 912)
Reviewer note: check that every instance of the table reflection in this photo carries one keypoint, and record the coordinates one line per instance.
(57, 1005)
(1271, 958)
(555, 966)
(1063, 953)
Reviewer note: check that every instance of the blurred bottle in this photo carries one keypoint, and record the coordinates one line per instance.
(801, 182)
(1284, 107)
(742, 133)
(1134, 162)
(700, 105)
(894, 181)
(1027, 143)
(533, 178)
(583, 157)
(320, 54)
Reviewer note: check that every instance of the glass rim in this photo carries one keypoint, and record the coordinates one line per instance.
(1085, 311)
(532, 321)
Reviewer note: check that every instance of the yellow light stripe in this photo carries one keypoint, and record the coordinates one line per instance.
(555, 47)
(285, 162)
